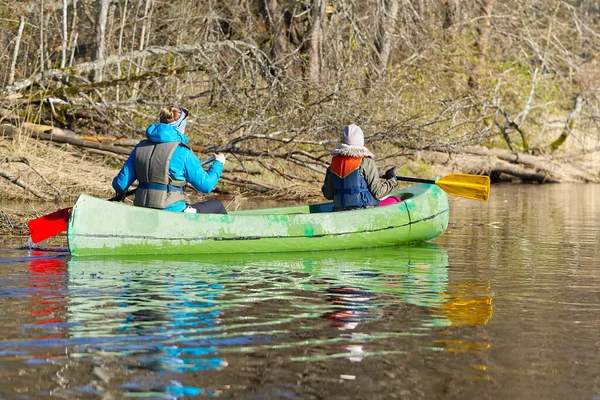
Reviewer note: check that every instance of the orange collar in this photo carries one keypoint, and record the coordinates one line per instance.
(343, 166)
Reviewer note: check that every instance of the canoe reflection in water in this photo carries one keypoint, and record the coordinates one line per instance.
(351, 306)
(180, 314)
(153, 317)
(383, 289)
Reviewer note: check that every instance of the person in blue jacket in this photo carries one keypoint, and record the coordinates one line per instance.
(163, 164)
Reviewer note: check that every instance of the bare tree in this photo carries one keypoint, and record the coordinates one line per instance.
(318, 11)
(65, 39)
(570, 123)
(276, 25)
(145, 33)
(210, 54)
(13, 64)
(73, 35)
(42, 28)
(100, 34)
(450, 10)
(388, 10)
(484, 28)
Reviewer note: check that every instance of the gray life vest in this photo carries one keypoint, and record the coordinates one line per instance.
(156, 188)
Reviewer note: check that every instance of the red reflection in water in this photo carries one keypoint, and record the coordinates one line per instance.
(48, 281)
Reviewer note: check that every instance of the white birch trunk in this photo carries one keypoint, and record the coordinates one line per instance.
(145, 34)
(100, 35)
(73, 34)
(13, 64)
(318, 15)
(42, 35)
(120, 46)
(65, 39)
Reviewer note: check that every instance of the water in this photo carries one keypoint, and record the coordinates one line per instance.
(505, 304)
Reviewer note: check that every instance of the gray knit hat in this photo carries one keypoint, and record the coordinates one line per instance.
(353, 143)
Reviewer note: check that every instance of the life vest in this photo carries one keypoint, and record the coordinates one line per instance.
(156, 188)
(349, 186)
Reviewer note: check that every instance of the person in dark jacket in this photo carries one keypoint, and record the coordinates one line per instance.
(352, 180)
(163, 164)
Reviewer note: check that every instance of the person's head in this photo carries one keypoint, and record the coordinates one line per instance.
(174, 116)
(353, 136)
(353, 143)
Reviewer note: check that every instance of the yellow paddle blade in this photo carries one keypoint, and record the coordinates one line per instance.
(476, 187)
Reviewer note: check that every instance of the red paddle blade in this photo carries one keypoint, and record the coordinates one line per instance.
(49, 225)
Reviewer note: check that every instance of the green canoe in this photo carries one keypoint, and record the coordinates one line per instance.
(99, 227)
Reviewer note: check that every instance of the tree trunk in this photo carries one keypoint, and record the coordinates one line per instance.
(123, 14)
(144, 37)
(73, 34)
(505, 165)
(383, 41)
(484, 31)
(65, 38)
(145, 34)
(42, 35)
(579, 100)
(318, 9)
(100, 35)
(450, 10)
(13, 64)
(276, 28)
(52, 134)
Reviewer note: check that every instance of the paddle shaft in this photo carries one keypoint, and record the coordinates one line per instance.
(417, 180)
(119, 197)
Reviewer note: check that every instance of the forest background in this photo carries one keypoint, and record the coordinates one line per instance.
(508, 89)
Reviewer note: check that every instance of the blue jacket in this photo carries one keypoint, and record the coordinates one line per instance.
(184, 165)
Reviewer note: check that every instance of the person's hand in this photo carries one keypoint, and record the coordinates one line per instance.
(390, 173)
(120, 196)
(219, 157)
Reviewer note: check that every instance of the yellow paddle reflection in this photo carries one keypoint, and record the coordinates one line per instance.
(462, 308)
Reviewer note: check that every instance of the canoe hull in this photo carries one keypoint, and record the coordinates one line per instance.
(98, 227)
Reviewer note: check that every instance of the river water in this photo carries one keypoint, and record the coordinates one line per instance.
(505, 304)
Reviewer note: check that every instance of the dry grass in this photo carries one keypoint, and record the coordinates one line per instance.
(63, 172)
(60, 172)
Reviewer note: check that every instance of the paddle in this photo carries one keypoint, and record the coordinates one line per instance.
(476, 187)
(52, 224)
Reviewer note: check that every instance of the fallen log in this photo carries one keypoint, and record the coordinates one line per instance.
(504, 164)
(52, 134)
(262, 185)
(527, 167)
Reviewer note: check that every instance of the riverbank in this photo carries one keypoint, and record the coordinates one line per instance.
(42, 176)
(36, 168)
